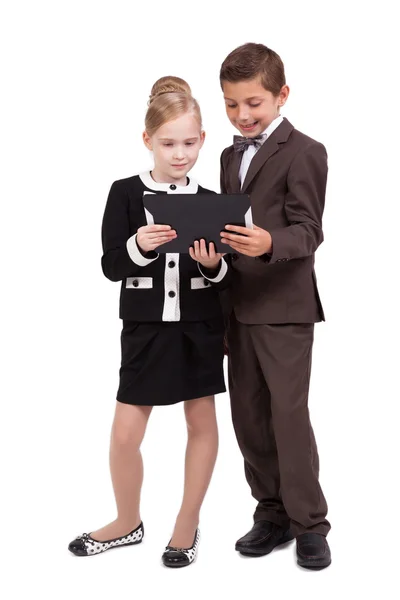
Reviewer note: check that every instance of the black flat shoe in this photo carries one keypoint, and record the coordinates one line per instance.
(85, 545)
(181, 557)
(262, 538)
(313, 551)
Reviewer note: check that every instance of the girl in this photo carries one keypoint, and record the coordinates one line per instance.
(172, 336)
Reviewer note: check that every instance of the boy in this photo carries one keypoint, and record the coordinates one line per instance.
(274, 304)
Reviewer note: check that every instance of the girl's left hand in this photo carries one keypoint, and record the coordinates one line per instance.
(209, 259)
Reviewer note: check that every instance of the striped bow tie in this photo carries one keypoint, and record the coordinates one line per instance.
(242, 143)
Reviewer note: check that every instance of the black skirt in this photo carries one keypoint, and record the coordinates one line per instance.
(165, 363)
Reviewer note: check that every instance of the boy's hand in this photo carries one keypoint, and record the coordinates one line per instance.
(151, 236)
(253, 242)
(209, 259)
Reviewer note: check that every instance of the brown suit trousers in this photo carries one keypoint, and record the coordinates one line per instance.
(269, 371)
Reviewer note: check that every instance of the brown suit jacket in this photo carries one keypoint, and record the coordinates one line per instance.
(286, 181)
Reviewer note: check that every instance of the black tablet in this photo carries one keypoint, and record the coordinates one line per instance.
(196, 216)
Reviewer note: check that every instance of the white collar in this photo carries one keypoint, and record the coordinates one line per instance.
(149, 182)
(272, 126)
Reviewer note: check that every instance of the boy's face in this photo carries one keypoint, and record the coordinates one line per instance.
(250, 107)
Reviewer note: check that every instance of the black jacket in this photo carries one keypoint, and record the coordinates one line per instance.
(155, 287)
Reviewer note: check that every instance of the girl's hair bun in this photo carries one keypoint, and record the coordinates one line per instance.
(169, 85)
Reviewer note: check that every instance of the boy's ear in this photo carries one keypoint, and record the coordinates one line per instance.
(202, 138)
(283, 94)
(147, 140)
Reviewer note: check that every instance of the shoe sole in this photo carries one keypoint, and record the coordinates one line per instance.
(111, 548)
(285, 540)
(314, 566)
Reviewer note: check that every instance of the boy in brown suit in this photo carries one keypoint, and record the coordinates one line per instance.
(273, 305)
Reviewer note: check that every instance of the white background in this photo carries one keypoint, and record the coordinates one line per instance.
(76, 78)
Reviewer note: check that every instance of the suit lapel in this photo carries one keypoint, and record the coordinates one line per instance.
(234, 172)
(268, 149)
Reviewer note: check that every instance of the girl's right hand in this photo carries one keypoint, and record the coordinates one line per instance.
(150, 237)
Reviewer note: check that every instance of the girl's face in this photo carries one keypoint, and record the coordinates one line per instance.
(175, 146)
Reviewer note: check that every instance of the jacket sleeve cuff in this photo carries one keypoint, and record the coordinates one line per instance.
(214, 275)
(281, 240)
(136, 255)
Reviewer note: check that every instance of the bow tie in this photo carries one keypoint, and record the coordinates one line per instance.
(242, 143)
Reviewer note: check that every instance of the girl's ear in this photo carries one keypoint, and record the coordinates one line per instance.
(147, 140)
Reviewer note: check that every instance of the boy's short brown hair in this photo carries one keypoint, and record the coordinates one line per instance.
(254, 60)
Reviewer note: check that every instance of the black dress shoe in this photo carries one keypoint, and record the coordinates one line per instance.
(313, 551)
(85, 545)
(262, 538)
(181, 557)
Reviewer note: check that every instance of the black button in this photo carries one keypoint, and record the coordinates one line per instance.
(172, 187)
(171, 264)
(235, 256)
(206, 282)
(171, 294)
(135, 283)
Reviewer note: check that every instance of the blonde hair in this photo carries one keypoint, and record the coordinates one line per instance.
(170, 98)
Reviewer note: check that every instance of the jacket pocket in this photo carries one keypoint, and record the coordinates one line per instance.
(139, 283)
(199, 283)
